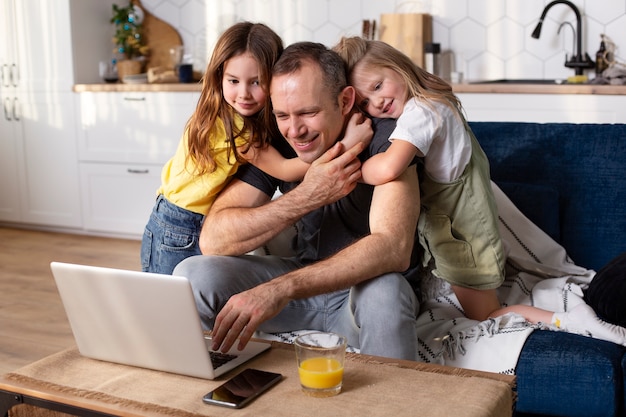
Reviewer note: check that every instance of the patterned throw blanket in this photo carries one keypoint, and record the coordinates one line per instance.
(539, 273)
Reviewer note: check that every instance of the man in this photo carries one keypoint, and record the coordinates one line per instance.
(353, 239)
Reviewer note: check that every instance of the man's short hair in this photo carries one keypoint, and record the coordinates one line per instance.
(333, 68)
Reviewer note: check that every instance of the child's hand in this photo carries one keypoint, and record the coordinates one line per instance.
(358, 130)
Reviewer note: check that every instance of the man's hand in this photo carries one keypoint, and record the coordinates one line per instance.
(333, 175)
(243, 313)
(242, 218)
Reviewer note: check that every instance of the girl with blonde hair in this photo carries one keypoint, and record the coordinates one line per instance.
(458, 224)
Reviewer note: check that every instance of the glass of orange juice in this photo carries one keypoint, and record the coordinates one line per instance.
(320, 358)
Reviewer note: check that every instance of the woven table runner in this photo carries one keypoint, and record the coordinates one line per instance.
(372, 387)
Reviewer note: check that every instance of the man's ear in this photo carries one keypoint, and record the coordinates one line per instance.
(346, 100)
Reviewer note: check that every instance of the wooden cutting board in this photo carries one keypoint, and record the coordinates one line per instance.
(160, 38)
(407, 32)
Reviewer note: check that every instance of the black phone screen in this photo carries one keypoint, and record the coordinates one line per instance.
(242, 388)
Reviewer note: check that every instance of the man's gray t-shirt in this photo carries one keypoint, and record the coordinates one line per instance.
(325, 231)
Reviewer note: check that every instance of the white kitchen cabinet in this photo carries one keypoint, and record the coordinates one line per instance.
(39, 157)
(544, 108)
(8, 48)
(118, 198)
(10, 126)
(142, 127)
(10, 155)
(49, 186)
(124, 140)
(35, 46)
(44, 45)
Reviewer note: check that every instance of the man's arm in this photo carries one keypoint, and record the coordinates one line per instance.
(393, 221)
(241, 218)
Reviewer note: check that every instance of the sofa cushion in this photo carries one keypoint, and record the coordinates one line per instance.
(559, 373)
(584, 162)
(540, 203)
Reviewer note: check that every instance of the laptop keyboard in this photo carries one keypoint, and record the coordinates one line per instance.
(218, 358)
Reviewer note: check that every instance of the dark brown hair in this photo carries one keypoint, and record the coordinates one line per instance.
(265, 46)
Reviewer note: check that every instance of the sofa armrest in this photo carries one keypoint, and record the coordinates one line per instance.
(565, 374)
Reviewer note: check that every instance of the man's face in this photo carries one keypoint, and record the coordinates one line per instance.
(307, 115)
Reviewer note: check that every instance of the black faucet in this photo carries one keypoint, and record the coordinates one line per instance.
(577, 61)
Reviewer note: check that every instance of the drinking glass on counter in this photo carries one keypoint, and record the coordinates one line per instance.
(320, 358)
(108, 71)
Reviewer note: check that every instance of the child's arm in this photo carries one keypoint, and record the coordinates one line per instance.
(358, 129)
(388, 165)
(269, 160)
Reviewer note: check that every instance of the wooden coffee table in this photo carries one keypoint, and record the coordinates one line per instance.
(70, 383)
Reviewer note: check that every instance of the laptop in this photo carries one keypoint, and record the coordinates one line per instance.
(141, 319)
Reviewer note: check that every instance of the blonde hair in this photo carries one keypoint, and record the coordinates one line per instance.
(265, 46)
(421, 84)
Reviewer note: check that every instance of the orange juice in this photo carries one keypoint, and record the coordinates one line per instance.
(320, 373)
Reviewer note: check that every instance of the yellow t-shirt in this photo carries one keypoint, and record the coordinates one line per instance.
(182, 187)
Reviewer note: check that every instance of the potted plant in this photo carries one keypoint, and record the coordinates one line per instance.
(130, 44)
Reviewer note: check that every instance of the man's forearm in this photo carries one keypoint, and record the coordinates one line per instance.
(359, 262)
(238, 230)
(242, 219)
(388, 248)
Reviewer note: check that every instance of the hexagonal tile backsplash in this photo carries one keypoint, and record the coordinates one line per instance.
(484, 39)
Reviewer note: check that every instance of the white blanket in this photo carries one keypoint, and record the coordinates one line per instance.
(539, 273)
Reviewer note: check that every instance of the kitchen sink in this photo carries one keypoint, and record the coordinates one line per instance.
(521, 81)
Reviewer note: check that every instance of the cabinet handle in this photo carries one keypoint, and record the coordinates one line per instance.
(6, 105)
(10, 75)
(138, 171)
(16, 109)
(5, 75)
(135, 98)
(14, 75)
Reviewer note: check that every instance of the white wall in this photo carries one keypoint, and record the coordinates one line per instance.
(488, 38)
(92, 37)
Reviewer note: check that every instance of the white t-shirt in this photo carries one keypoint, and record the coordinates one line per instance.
(440, 134)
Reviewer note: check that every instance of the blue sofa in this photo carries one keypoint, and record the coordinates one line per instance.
(570, 180)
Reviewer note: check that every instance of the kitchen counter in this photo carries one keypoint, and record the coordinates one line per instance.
(121, 87)
(506, 88)
(490, 88)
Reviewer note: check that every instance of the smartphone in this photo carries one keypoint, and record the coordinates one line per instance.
(242, 388)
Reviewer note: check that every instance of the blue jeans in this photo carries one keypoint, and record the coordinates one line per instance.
(378, 316)
(171, 235)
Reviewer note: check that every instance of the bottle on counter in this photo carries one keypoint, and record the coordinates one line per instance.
(432, 58)
(601, 61)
